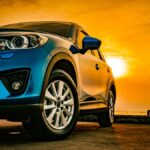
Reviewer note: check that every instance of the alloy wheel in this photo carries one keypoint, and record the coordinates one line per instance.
(58, 104)
(111, 108)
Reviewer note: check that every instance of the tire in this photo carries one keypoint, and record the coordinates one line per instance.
(106, 119)
(60, 109)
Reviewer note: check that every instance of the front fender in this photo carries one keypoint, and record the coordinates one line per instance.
(55, 58)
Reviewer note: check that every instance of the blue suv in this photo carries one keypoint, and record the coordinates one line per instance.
(50, 72)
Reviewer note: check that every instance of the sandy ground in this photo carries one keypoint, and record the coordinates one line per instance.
(86, 136)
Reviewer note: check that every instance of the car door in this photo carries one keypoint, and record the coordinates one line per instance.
(89, 75)
(103, 72)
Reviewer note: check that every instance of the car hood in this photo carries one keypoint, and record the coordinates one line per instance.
(4, 30)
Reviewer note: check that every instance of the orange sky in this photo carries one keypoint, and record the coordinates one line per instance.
(122, 25)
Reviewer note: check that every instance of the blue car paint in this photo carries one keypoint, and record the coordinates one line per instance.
(6, 55)
(36, 60)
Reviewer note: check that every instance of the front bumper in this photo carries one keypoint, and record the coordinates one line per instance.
(19, 112)
(15, 80)
(34, 60)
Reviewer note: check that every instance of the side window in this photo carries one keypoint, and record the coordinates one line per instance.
(80, 37)
(101, 55)
(89, 52)
(97, 54)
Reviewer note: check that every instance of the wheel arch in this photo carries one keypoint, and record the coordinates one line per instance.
(57, 62)
(67, 66)
(113, 89)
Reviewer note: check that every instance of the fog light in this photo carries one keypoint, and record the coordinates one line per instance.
(16, 85)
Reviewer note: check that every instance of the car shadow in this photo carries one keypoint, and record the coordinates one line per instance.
(16, 135)
(13, 134)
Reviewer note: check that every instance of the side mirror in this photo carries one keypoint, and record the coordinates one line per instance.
(90, 43)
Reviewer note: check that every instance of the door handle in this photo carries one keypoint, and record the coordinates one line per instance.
(97, 66)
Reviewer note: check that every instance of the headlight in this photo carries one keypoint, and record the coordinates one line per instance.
(21, 41)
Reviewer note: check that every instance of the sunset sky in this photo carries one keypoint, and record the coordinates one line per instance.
(122, 25)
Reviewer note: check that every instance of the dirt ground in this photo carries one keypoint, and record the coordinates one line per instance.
(86, 136)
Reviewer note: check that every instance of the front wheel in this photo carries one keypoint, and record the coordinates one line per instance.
(106, 119)
(60, 109)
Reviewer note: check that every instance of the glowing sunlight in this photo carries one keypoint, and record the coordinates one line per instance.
(118, 66)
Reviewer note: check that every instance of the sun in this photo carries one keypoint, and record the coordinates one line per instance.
(118, 66)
